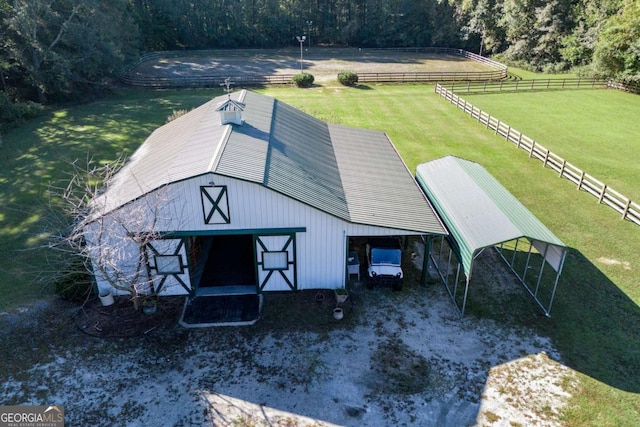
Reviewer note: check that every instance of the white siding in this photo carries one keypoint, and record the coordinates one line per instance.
(320, 249)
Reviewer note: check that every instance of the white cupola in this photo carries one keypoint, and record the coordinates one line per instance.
(230, 112)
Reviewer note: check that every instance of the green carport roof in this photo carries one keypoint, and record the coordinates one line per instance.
(479, 212)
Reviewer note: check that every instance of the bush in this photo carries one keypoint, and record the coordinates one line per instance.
(75, 284)
(303, 80)
(14, 114)
(175, 114)
(348, 78)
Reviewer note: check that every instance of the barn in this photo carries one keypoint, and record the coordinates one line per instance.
(246, 194)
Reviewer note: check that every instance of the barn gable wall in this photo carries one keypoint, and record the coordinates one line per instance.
(183, 208)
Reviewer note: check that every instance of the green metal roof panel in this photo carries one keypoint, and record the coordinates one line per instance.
(245, 152)
(378, 186)
(478, 211)
(301, 162)
(180, 149)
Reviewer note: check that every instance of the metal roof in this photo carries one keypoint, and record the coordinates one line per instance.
(478, 211)
(378, 186)
(353, 174)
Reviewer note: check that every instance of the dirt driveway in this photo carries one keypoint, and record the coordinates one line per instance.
(395, 359)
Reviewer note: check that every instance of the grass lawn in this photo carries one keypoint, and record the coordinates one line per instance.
(595, 319)
(577, 125)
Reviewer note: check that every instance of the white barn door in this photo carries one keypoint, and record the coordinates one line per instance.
(276, 262)
(168, 267)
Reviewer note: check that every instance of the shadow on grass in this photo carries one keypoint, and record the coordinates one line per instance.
(596, 325)
(593, 323)
(37, 157)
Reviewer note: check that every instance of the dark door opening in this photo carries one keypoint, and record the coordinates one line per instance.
(228, 261)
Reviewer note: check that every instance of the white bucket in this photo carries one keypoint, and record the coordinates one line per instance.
(105, 298)
(338, 313)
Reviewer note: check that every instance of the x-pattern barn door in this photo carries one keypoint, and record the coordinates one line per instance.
(168, 268)
(215, 204)
(276, 261)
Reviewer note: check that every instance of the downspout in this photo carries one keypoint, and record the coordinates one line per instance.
(345, 258)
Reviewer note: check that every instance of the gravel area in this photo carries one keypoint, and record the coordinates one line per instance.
(396, 358)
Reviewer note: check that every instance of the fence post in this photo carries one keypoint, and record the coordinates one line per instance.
(626, 209)
(508, 133)
(564, 162)
(546, 159)
(519, 140)
(580, 180)
(533, 144)
(604, 189)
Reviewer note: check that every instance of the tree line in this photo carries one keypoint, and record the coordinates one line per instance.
(60, 50)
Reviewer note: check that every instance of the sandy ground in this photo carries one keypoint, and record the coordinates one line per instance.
(406, 359)
(323, 64)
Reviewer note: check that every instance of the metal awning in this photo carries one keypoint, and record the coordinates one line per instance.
(479, 213)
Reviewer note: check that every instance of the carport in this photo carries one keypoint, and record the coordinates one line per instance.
(480, 213)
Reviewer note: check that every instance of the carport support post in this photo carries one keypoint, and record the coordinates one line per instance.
(425, 261)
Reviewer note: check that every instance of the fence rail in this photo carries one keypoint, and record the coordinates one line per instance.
(633, 87)
(449, 51)
(524, 85)
(628, 209)
(204, 81)
(412, 77)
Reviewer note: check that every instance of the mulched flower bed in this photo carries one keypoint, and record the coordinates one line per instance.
(121, 319)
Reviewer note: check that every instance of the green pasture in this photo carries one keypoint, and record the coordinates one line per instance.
(596, 316)
(595, 130)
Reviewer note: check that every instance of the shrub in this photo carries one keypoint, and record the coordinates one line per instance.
(14, 114)
(348, 78)
(303, 80)
(75, 284)
(175, 114)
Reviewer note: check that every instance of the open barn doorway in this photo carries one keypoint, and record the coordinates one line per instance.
(226, 265)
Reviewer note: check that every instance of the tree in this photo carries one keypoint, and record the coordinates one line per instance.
(479, 24)
(111, 244)
(617, 52)
(65, 47)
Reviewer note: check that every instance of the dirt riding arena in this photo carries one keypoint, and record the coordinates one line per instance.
(323, 63)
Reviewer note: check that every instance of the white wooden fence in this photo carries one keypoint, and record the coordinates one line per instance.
(606, 195)
(528, 85)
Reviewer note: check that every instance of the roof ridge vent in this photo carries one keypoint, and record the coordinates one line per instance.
(230, 110)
